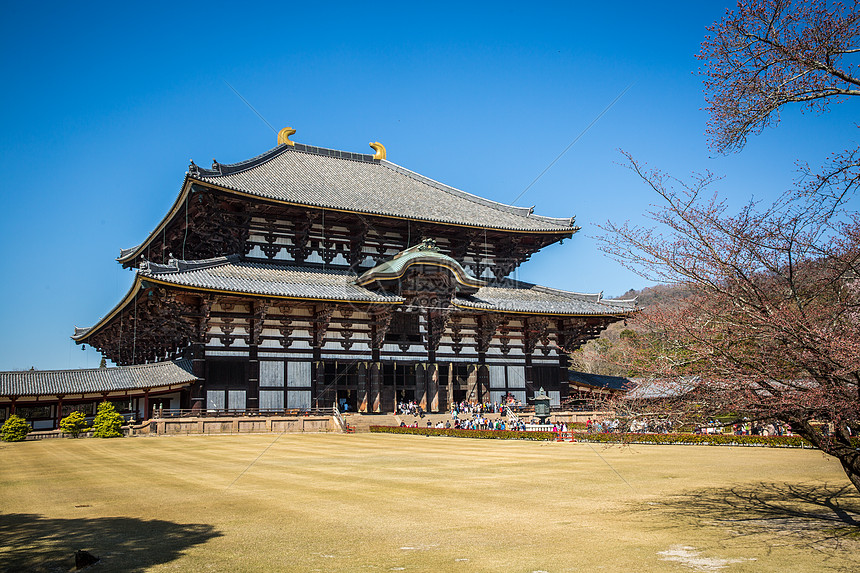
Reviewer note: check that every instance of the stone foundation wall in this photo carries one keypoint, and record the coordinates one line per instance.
(238, 425)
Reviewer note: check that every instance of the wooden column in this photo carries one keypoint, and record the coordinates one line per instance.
(562, 342)
(375, 375)
(433, 387)
(362, 398)
(259, 311)
(147, 410)
(252, 397)
(483, 382)
(322, 316)
(564, 376)
(198, 388)
(59, 411)
(451, 382)
(529, 374)
(472, 383)
(421, 385)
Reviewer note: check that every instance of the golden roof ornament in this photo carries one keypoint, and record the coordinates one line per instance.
(284, 136)
(379, 148)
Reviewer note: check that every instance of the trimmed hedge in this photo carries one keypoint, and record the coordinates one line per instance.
(701, 440)
(664, 439)
(697, 440)
(455, 433)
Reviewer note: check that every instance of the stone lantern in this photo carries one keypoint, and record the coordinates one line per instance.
(542, 410)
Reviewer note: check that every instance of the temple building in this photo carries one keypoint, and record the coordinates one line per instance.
(306, 277)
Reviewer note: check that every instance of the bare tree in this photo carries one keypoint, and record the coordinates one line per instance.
(771, 325)
(770, 53)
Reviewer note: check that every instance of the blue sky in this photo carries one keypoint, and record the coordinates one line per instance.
(103, 106)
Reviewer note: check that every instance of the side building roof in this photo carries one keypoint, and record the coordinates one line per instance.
(601, 381)
(96, 380)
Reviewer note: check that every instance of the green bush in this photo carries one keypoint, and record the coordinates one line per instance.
(108, 422)
(74, 424)
(15, 429)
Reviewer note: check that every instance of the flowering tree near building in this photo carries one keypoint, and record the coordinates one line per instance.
(771, 323)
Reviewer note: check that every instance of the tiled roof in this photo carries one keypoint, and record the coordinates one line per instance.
(232, 275)
(599, 380)
(656, 389)
(53, 382)
(357, 182)
(516, 296)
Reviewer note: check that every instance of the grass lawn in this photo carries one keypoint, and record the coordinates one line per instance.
(371, 502)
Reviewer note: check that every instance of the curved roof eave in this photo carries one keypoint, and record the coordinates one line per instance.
(475, 307)
(128, 255)
(81, 334)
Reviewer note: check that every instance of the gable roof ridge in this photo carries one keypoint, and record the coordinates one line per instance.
(230, 168)
(518, 284)
(521, 211)
(593, 297)
(149, 268)
(277, 266)
(233, 168)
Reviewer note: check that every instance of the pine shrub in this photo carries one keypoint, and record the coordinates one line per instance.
(15, 429)
(74, 424)
(108, 422)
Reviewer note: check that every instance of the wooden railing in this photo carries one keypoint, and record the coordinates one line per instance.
(239, 412)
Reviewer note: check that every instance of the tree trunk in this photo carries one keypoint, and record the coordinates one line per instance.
(837, 445)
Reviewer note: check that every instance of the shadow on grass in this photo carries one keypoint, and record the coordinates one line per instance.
(822, 516)
(37, 543)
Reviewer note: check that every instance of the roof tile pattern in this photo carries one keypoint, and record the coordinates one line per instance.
(355, 182)
(515, 296)
(53, 382)
(232, 275)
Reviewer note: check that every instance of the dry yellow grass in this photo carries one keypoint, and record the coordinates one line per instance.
(390, 503)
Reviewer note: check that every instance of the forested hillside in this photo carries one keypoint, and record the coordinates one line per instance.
(611, 353)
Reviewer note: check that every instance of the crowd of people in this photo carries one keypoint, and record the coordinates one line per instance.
(761, 429)
(475, 423)
(413, 408)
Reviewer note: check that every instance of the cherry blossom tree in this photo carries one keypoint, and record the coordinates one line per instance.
(770, 53)
(770, 324)
(770, 321)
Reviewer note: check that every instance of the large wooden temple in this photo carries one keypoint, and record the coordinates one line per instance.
(307, 276)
